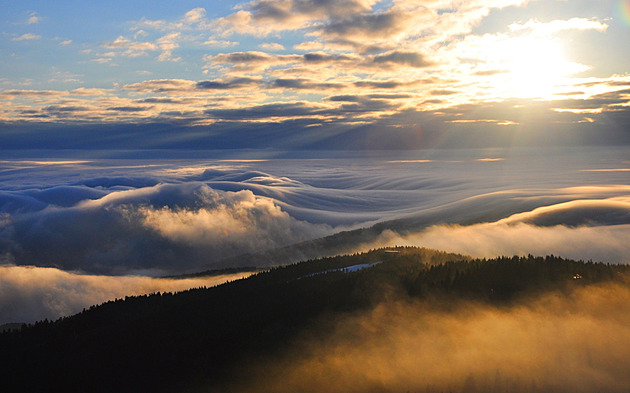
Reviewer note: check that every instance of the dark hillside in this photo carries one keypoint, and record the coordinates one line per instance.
(199, 338)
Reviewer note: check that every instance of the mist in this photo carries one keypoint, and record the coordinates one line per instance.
(581, 229)
(29, 294)
(576, 341)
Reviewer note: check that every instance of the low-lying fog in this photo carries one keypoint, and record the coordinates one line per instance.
(156, 216)
(577, 342)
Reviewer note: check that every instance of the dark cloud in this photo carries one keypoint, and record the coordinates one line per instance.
(161, 101)
(234, 83)
(284, 11)
(279, 110)
(389, 96)
(254, 59)
(162, 86)
(318, 58)
(303, 84)
(58, 109)
(410, 59)
(592, 121)
(346, 98)
(382, 26)
(32, 93)
(270, 10)
(128, 108)
(389, 84)
(243, 57)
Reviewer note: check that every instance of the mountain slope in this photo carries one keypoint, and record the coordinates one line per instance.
(203, 339)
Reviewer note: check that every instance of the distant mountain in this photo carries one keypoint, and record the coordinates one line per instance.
(205, 339)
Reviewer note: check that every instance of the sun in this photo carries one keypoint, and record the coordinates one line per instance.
(533, 68)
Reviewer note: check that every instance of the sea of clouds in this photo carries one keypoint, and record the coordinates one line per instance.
(153, 216)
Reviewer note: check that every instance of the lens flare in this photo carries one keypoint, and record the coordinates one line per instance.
(624, 11)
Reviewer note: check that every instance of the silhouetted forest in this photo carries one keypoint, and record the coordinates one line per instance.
(201, 339)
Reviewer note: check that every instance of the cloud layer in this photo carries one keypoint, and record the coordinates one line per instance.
(120, 216)
(153, 216)
(168, 227)
(29, 294)
(583, 230)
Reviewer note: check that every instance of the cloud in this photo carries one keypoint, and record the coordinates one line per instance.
(397, 58)
(384, 84)
(263, 17)
(168, 227)
(309, 46)
(577, 341)
(249, 61)
(33, 19)
(220, 43)
(131, 48)
(384, 26)
(93, 92)
(195, 15)
(167, 44)
(591, 212)
(587, 121)
(350, 45)
(581, 229)
(255, 61)
(12, 94)
(409, 47)
(303, 84)
(269, 111)
(239, 220)
(194, 19)
(170, 86)
(124, 215)
(549, 28)
(271, 46)
(27, 37)
(234, 83)
(28, 293)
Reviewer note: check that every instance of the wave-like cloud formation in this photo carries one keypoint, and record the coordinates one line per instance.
(30, 293)
(155, 216)
(583, 229)
(120, 216)
(173, 227)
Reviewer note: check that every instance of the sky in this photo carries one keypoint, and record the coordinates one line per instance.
(314, 74)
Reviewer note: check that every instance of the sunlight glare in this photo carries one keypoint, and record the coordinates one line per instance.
(534, 67)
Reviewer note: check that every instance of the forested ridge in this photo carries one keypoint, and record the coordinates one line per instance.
(204, 338)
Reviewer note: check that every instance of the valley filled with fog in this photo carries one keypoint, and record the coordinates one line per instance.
(74, 216)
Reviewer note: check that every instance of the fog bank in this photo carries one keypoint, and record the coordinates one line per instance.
(575, 342)
(28, 294)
